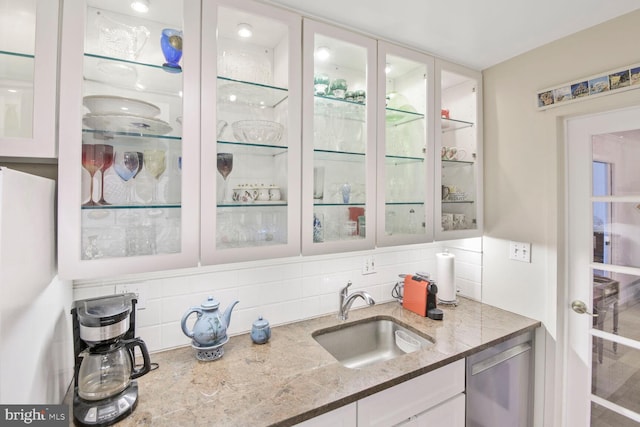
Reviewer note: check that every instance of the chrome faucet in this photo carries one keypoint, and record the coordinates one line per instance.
(347, 300)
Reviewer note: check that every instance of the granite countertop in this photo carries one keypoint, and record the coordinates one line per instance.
(292, 378)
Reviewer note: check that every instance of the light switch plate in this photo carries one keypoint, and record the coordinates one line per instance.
(520, 251)
(369, 265)
(140, 289)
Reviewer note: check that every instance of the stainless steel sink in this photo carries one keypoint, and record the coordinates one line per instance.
(368, 341)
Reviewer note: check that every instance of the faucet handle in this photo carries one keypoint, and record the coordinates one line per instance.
(344, 290)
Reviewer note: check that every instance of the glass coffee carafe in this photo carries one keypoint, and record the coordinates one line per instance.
(107, 370)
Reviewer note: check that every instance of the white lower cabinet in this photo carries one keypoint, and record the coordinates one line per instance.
(438, 395)
(401, 403)
(345, 416)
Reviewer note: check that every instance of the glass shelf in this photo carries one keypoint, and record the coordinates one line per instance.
(449, 125)
(337, 108)
(338, 155)
(106, 135)
(251, 94)
(457, 201)
(338, 204)
(404, 203)
(258, 204)
(403, 159)
(137, 76)
(447, 163)
(110, 207)
(17, 67)
(249, 148)
(396, 117)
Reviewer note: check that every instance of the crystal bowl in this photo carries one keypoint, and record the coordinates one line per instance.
(257, 131)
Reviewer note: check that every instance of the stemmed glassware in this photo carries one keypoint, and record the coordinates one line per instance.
(126, 165)
(92, 161)
(155, 162)
(107, 162)
(225, 165)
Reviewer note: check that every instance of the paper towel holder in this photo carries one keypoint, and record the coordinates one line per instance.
(445, 283)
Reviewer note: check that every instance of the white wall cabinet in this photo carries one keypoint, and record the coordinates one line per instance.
(251, 102)
(253, 147)
(405, 146)
(339, 140)
(28, 52)
(129, 169)
(458, 185)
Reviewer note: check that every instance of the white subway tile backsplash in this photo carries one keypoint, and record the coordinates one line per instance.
(284, 290)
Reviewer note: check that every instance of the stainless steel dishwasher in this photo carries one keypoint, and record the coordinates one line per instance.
(500, 384)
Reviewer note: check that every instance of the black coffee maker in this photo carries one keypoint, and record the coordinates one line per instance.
(104, 343)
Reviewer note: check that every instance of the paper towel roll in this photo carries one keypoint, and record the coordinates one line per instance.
(446, 278)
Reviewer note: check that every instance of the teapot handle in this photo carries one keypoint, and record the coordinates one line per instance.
(146, 360)
(183, 322)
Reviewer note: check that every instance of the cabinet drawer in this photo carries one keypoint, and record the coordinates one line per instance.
(412, 397)
(341, 417)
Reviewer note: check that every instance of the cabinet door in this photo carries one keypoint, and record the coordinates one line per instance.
(450, 413)
(405, 146)
(459, 139)
(339, 137)
(404, 401)
(129, 170)
(341, 417)
(250, 132)
(28, 53)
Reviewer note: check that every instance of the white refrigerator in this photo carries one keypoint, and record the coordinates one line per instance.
(35, 355)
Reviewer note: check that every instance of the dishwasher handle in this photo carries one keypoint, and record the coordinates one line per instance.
(492, 361)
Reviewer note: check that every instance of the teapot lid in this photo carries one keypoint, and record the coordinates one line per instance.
(210, 304)
(261, 323)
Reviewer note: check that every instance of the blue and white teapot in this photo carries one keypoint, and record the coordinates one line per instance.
(210, 328)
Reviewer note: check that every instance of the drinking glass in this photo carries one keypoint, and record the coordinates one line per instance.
(155, 162)
(92, 161)
(126, 165)
(107, 162)
(225, 165)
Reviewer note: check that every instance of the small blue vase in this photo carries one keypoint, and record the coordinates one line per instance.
(171, 44)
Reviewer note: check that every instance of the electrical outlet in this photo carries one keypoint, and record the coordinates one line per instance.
(369, 265)
(140, 289)
(519, 251)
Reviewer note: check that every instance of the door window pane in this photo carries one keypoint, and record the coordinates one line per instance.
(621, 151)
(603, 417)
(616, 233)
(617, 378)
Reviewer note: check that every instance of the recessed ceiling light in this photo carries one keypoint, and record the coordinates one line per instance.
(245, 30)
(141, 6)
(323, 53)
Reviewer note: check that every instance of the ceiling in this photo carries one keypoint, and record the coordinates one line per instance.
(477, 34)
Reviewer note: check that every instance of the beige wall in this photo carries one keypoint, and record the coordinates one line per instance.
(524, 175)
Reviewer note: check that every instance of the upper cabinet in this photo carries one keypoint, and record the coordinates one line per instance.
(28, 54)
(339, 140)
(459, 150)
(129, 137)
(405, 146)
(251, 135)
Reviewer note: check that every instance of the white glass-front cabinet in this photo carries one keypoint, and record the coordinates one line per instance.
(251, 137)
(405, 146)
(339, 137)
(459, 142)
(28, 73)
(129, 164)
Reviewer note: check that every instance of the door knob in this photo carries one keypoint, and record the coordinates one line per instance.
(581, 308)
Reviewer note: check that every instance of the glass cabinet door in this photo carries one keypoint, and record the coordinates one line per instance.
(28, 58)
(405, 146)
(339, 103)
(250, 132)
(458, 140)
(129, 139)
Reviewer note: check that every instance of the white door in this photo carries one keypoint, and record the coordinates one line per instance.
(603, 222)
